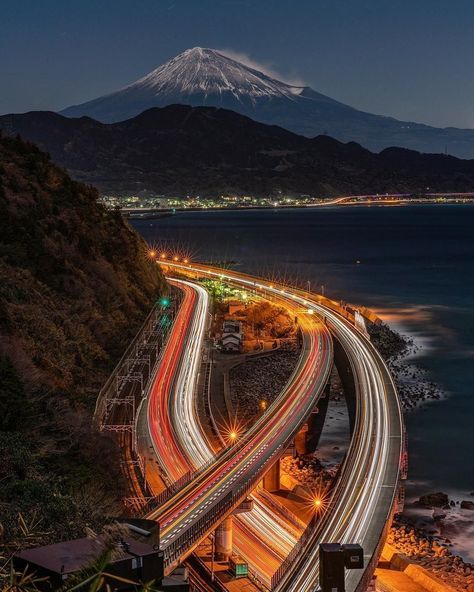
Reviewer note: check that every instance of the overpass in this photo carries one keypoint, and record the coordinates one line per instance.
(364, 496)
(264, 535)
(207, 496)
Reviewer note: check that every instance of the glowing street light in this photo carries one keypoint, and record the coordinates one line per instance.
(152, 253)
(163, 256)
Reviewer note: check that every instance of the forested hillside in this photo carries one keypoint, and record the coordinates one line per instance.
(75, 285)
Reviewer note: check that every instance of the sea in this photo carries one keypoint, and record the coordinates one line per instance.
(412, 264)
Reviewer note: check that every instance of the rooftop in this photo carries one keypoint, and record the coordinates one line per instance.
(70, 556)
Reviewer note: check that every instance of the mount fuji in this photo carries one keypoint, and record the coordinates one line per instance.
(206, 77)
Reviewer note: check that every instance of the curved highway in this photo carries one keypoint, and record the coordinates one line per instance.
(262, 536)
(363, 498)
(241, 466)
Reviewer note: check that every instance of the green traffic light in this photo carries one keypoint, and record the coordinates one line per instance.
(164, 301)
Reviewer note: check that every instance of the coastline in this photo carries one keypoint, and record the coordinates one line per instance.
(421, 526)
(343, 202)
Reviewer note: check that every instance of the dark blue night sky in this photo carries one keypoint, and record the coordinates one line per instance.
(412, 60)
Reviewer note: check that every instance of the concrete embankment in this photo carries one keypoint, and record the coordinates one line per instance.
(396, 573)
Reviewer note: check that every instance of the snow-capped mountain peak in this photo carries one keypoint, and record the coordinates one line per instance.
(207, 72)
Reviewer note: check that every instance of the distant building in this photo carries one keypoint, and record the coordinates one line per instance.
(232, 336)
(232, 326)
(231, 343)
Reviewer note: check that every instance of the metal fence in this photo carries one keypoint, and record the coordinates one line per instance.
(137, 364)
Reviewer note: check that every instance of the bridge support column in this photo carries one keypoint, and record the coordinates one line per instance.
(316, 421)
(301, 440)
(271, 479)
(223, 536)
(344, 370)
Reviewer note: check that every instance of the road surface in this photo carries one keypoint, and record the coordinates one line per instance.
(364, 496)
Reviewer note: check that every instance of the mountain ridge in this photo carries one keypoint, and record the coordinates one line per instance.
(181, 150)
(206, 77)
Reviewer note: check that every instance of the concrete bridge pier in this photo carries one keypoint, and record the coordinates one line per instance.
(301, 441)
(223, 536)
(344, 370)
(271, 479)
(316, 421)
(223, 533)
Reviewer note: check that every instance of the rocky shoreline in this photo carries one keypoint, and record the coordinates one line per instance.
(425, 541)
(432, 553)
(414, 387)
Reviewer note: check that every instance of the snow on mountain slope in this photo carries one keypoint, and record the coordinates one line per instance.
(209, 72)
(198, 76)
(206, 77)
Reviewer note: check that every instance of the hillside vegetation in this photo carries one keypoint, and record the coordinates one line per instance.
(75, 285)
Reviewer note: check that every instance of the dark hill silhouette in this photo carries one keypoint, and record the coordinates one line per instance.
(207, 150)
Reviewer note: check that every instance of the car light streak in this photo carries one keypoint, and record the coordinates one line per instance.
(261, 443)
(272, 537)
(363, 497)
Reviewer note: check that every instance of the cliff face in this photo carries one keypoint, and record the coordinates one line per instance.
(75, 285)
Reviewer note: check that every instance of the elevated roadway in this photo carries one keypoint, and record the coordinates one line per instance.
(364, 495)
(264, 536)
(199, 505)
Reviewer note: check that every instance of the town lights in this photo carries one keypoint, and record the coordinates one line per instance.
(152, 253)
(163, 256)
(176, 258)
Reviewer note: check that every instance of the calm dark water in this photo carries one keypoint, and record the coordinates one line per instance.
(416, 267)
